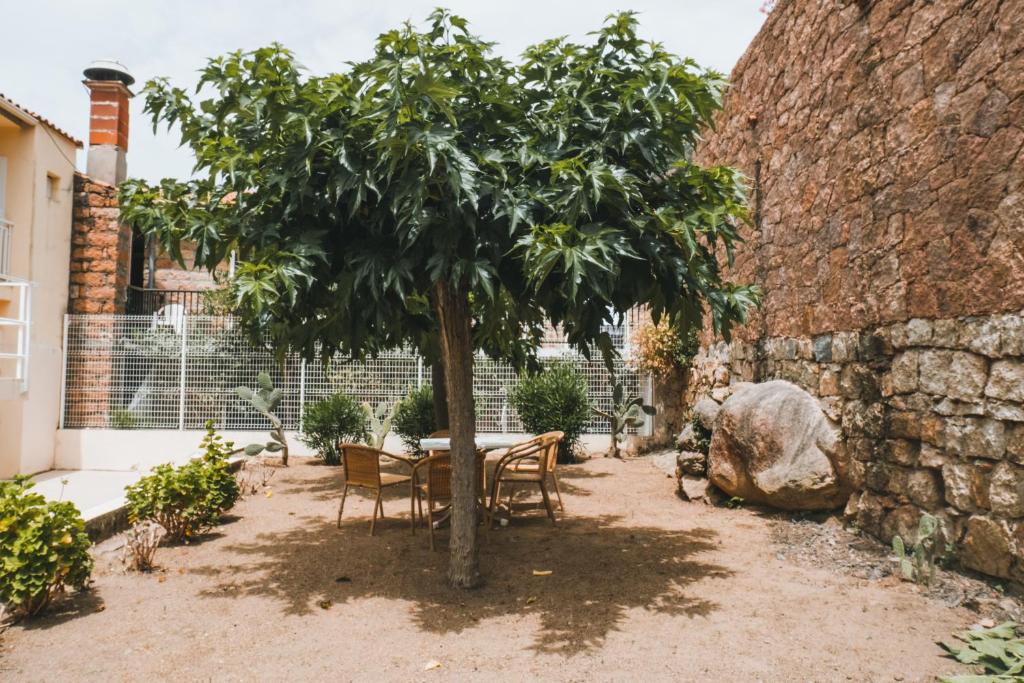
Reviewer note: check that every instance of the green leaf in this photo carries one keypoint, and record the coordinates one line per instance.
(254, 449)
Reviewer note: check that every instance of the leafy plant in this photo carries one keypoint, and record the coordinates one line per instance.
(555, 399)
(381, 418)
(413, 418)
(735, 502)
(627, 412)
(189, 499)
(265, 399)
(122, 418)
(998, 651)
(336, 419)
(701, 436)
(662, 349)
(140, 544)
(918, 565)
(43, 548)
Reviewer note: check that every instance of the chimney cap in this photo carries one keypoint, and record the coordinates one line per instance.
(108, 70)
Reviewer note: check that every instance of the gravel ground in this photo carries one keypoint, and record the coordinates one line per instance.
(642, 584)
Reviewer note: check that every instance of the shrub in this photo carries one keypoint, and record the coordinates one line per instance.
(414, 418)
(186, 500)
(336, 418)
(123, 418)
(554, 400)
(43, 548)
(662, 349)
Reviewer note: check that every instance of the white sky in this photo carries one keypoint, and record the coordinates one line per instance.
(47, 43)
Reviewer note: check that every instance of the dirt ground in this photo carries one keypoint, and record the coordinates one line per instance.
(643, 585)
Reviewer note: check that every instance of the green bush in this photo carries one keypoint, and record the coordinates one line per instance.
(414, 418)
(336, 418)
(186, 500)
(43, 548)
(554, 400)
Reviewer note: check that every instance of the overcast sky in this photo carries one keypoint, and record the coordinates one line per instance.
(47, 43)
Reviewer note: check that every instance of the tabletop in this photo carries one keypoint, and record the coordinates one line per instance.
(483, 443)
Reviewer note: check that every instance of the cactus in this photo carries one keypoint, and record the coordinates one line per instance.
(380, 423)
(265, 400)
(919, 563)
(626, 412)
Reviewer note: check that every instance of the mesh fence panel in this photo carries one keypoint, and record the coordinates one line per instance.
(159, 372)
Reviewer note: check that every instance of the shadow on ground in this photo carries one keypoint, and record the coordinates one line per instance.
(601, 568)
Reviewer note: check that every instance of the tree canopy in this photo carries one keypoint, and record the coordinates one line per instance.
(560, 188)
(440, 196)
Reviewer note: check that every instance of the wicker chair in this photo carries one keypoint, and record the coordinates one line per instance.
(529, 462)
(432, 479)
(361, 468)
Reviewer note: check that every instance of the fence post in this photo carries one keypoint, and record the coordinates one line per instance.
(419, 371)
(64, 374)
(181, 381)
(302, 390)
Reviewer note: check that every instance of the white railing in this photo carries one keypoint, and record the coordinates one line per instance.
(6, 228)
(20, 323)
(176, 372)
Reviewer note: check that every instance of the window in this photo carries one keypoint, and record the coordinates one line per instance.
(52, 187)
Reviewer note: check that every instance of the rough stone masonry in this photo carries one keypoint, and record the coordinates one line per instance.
(884, 147)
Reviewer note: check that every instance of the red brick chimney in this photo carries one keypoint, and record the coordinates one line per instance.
(108, 83)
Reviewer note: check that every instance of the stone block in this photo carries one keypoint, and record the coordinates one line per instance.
(966, 486)
(919, 332)
(1006, 491)
(828, 381)
(982, 335)
(976, 437)
(955, 374)
(822, 346)
(904, 373)
(924, 488)
(945, 334)
(1015, 443)
(905, 425)
(1006, 381)
(902, 451)
(930, 456)
(987, 546)
(844, 347)
(863, 419)
(858, 381)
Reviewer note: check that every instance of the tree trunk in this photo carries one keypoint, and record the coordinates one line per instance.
(452, 305)
(437, 380)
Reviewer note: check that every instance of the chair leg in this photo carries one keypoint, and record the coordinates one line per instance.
(419, 504)
(558, 492)
(430, 521)
(412, 511)
(547, 501)
(341, 508)
(493, 505)
(373, 520)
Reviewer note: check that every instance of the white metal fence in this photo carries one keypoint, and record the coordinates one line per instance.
(178, 371)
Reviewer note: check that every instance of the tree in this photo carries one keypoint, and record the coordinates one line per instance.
(438, 196)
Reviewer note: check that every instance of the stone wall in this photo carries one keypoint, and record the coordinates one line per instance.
(100, 250)
(884, 147)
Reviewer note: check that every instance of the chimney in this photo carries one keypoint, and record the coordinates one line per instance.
(108, 83)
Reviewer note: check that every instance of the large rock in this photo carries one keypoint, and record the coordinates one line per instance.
(706, 410)
(773, 445)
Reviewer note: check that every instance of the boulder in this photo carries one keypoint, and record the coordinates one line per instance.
(692, 463)
(773, 445)
(706, 410)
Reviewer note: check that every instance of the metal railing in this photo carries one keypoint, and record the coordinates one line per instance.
(145, 301)
(6, 229)
(177, 371)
